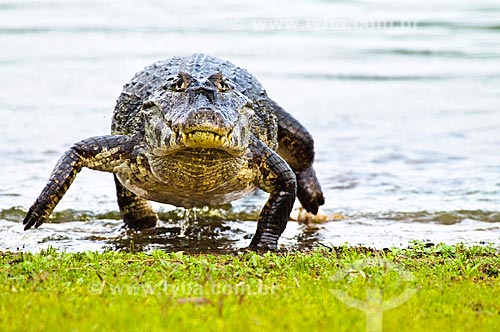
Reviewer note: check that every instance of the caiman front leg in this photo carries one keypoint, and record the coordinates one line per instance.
(102, 153)
(278, 179)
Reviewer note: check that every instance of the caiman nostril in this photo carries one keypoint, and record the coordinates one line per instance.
(206, 119)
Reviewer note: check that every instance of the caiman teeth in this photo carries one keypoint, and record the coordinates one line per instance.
(204, 139)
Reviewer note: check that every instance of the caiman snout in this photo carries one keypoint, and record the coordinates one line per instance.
(206, 119)
(205, 128)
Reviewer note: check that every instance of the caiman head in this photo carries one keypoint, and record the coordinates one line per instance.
(189, 112)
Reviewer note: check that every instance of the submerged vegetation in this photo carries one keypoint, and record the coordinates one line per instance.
(423, 288)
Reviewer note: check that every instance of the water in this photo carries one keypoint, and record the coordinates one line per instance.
(406, 120)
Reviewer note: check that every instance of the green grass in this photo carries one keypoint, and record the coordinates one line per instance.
(454, 288)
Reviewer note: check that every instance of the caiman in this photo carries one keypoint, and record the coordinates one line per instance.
(195, 131)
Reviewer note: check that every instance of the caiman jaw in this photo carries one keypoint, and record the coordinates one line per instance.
(205, 139)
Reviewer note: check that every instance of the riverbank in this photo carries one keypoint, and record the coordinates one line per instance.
(423, 288)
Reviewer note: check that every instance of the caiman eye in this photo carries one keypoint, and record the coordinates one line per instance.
(221, 83)
(223, 86)
(179, 84)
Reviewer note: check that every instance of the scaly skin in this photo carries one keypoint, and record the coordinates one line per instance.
(195, 131)
(296, 146)
(102, 153)
(276, 178)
